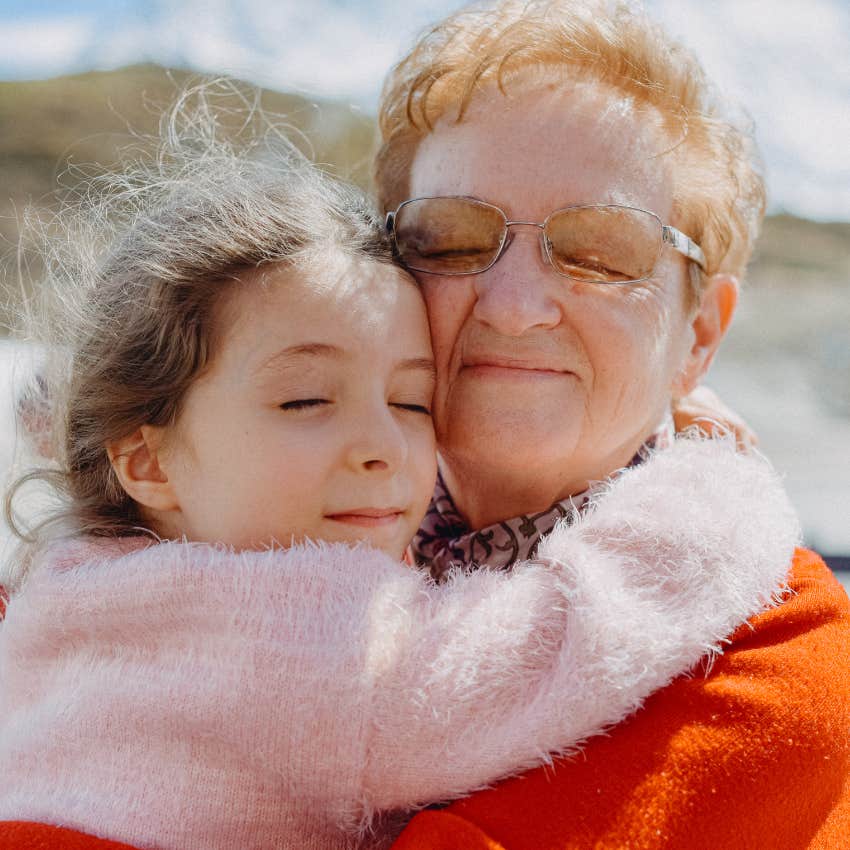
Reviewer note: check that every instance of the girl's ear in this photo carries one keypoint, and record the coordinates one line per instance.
(137, 461)
(708, 327)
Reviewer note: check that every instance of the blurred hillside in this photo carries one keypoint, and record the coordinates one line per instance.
(785, 366)
(86, 119)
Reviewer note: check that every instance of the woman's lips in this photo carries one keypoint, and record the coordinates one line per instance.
(512, 370)
(368, 517)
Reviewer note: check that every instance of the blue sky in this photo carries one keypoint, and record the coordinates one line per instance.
(786, 61)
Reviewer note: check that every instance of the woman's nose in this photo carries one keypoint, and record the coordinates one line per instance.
(514, 295)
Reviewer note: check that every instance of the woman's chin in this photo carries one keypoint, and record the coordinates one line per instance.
(523, 439)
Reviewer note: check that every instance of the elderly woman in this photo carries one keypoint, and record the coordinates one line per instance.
(562, 182)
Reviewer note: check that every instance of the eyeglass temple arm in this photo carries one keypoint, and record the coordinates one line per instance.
(683, 244)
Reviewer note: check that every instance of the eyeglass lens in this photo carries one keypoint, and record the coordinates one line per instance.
(606, 244)
(448, 235)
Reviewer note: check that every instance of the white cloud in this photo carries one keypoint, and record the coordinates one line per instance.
(786, 61)
(41, 47)
(328, 53)
(788, 65)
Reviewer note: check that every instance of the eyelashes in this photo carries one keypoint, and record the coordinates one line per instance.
(312, 403)
(414, 408)
(303, 403)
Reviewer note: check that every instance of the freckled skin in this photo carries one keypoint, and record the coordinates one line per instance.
(515, 444)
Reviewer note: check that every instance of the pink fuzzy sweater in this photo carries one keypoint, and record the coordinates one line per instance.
(187, 697)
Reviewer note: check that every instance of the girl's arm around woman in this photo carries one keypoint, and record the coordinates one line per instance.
(338, 682)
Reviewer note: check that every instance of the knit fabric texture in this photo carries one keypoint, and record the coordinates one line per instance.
(754, 754)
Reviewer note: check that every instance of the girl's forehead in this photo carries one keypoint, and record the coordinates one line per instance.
(352, 288)
(344, 301)
(315, 286)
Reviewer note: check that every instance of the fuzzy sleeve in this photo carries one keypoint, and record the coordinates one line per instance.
(493, 672)
(752, 753)
(353, 683)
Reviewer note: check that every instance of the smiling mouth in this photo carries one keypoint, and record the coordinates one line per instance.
(513, 369)
(368, 517)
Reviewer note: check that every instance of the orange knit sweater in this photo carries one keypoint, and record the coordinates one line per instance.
(754, 756)
(38, 836)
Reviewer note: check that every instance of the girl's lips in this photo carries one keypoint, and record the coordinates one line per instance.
(368, 517)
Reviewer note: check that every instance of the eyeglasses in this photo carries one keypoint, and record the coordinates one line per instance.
(600, 243)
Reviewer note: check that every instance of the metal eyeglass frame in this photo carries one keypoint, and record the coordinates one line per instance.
(669, 236)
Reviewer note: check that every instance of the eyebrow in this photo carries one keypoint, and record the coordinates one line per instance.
(333, 352)
(421, 364)
(308, 349)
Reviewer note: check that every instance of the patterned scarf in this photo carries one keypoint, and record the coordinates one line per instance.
(444, 539)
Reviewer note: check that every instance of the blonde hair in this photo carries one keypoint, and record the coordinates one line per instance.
(136, 269)
(719, 195)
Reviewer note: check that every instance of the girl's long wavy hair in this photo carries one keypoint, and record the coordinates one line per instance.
(137, 262)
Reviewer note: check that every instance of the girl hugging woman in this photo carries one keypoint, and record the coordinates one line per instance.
(220, 640)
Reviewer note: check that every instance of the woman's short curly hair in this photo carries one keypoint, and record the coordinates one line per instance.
(719, 192)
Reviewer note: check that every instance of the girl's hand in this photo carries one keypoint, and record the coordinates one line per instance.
(704, 409)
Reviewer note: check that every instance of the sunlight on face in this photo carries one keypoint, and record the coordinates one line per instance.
(555, 381)
(313, 421)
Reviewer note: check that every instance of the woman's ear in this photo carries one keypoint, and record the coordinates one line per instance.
(137, 461)
(708, 327)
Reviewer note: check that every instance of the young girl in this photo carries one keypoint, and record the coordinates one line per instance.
(217, 645)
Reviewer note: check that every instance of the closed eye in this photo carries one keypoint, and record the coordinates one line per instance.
(303, 403)
(448, 253)
(414, 408)
(590, 268)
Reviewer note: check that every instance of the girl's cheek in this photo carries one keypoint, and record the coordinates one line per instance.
(427, 459)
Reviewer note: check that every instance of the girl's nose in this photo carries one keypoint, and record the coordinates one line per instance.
(380, 445)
